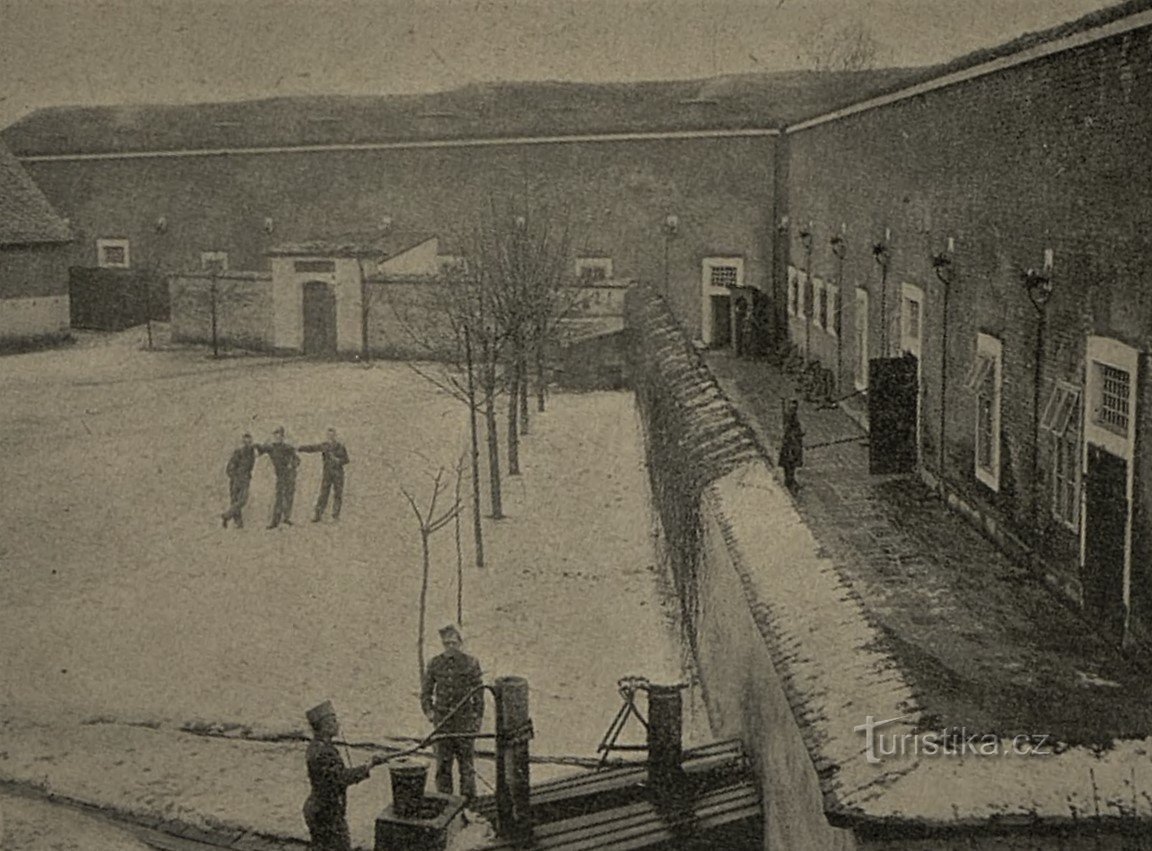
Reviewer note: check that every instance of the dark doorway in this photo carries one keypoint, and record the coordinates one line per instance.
(1105, 531)
(721, 321)
(893, 394)
(319, 319)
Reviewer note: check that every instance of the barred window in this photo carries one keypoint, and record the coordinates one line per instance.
(724, 276)
(1114, 389)
(912, 309)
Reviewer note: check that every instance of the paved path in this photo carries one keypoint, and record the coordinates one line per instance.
(991, 646)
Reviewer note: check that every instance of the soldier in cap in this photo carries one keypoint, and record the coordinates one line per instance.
(284, 461)
(325, 809)
(335, 456)
(239, 472)
(452, 682)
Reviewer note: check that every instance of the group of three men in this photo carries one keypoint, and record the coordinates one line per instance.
(285, 460)
(452, 699)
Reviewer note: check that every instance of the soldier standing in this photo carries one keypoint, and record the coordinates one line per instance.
(284, 461)
(792, 444)
(335, 456)
(453, 681)
(326, 807)
(239, 471)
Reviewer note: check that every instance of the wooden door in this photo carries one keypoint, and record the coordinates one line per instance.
(319, 319)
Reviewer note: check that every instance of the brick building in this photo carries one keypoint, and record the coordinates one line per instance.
(993, 220)
(33, 259)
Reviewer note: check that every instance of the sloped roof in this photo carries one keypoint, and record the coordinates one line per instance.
(479, 111)
(375, 244)
(25, 214)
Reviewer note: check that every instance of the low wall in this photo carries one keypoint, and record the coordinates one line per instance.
(694, 440)
(243, 309)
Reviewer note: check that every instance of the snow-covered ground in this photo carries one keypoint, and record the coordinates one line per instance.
(125, 599)
(37, 826)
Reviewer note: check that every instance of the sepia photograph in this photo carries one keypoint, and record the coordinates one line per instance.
(476, 425)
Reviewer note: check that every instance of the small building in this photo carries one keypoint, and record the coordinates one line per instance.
(33, 259)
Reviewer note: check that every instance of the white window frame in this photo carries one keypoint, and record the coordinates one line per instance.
(207, 257)
(103, 244)
(819, 291)
(989, 347)
(793, 289)
(801, 295)
(861, 330)
(602, 263)
(834, 308)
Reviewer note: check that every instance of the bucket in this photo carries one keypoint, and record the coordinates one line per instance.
(408, 780)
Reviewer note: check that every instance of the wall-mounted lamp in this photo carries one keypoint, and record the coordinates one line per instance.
(783, 223)
(269, 224)
(671, 224)
(806, 239)
(1038, 286)
(942, 266)
(839, 246)
(386, 224)
(520, 222)
(162, 224)
(880, 252)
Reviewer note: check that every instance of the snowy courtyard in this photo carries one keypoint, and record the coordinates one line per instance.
(125, 600)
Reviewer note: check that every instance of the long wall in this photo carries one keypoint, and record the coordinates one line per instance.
(1046, 155)
(615, 194)
(33, 291)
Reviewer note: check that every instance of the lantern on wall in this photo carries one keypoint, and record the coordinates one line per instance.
(269, 224)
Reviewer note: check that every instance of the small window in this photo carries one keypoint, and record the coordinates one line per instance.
(819, 303)
(985, 381)
(723, 272)
(793, 281)
(912, 314)
(592, 269)
(1112, 411)
(804, 296)
(861, 339)
(214, 261)
(724, 276)
(112, 254)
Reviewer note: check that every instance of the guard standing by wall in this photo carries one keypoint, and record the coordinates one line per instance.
(792, 443)
(239, 471)
(453, 681)
(325, 811)
(335, 456)
(284, 461)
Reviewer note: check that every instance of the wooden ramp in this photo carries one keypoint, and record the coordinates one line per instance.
(716, 805)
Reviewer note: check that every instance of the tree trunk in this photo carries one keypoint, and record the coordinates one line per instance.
(493, 439)
(459, 550)
(474, 428)
(423, 601)
(522, 378)
(513, 431)
(215, 337)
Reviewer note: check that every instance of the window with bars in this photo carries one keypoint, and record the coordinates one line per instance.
(112, 253)
(724, 276)
(592, 269)
(1112, 412)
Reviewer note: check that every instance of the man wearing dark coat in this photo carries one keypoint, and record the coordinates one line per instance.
(335, 456)
(452, 680)
(239, 471)
(792, 443)
(326, 808)
(284, 461)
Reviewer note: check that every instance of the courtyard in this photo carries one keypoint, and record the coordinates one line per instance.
(127, 603)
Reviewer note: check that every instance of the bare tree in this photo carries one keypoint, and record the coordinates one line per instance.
(840, 45)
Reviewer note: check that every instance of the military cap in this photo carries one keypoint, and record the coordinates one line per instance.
(451, 629)
(317, 713)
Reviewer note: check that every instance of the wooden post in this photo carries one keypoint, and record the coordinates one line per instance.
(665, 721)
(513, 732)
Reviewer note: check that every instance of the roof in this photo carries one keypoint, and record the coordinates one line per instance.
(25, 214)
(375, 244)
(479, 111)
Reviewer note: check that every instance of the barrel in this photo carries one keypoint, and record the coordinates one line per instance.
(408, 780)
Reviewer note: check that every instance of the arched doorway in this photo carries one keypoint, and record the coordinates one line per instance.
(319, 319)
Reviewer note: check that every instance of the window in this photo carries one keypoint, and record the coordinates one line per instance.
(912, 318)
(793, 291)
(861, 339)
(592, 269)
(819, 303)
(1112, 411)
(1062, 420)
(832, 298)
(214, 261)
(724, 276)
(804, 296)
(112, 253)
(985, 381)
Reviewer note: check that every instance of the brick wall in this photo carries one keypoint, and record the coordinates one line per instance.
(1050, 154)
(615, 194)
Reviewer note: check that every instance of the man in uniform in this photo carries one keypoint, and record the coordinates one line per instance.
(326, 807)
(452, 682)
(284, 461)
(239, 472)
(335, 457)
